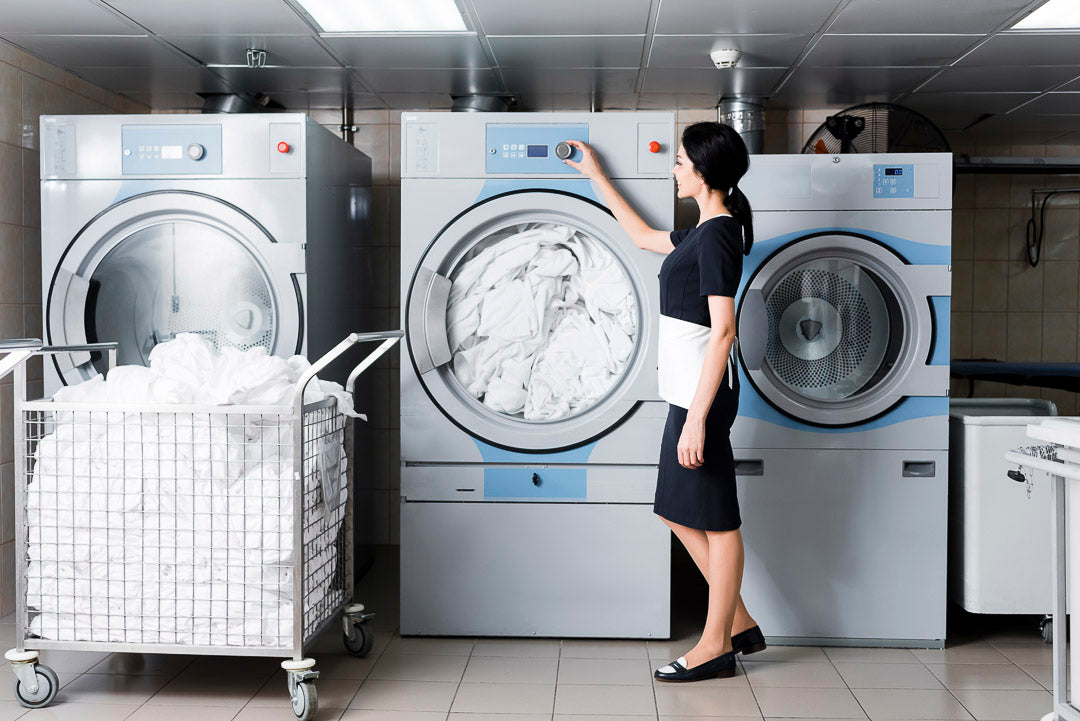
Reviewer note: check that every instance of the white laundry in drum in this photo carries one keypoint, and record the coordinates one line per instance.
(542, 321)
(162, 527)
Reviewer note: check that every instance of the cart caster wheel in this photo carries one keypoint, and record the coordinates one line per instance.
(47, 686)
(360, 641)
(1047, 628)
(305, 701)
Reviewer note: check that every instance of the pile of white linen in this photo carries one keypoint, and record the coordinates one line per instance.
(177, 527)
(541, 322)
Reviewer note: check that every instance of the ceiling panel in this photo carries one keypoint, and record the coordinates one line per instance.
(296, 50)
(891, 50)
(301, 100)
(72, 51)
(563, 17)
(1074, 85)
(838, 87)
(1029, 48)
(452, 81)
(59, 17)
(724, 17)
(213, 17)
(692, 51)
(1055, 104)
(146, 79)
(279, 80)
(570, 81)
(925, 16)
(955, 111)
(578, 51)
(736, 81)
(409, 51)
(999, 79)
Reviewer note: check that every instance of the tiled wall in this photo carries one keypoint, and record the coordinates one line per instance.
(28, 88)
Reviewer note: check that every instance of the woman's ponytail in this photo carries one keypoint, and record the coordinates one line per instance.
(739, 206)
(719, 155)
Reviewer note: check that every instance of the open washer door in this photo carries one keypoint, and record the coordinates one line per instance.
(600, 308)
(171, 262)
(849, 329)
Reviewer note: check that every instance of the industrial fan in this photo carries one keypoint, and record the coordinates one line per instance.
(877, 128)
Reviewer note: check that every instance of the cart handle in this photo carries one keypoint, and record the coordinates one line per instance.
(17, 350)
(388, 338)
(109, 348)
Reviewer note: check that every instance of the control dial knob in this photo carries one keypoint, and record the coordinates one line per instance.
(564, 151)
(196, 151)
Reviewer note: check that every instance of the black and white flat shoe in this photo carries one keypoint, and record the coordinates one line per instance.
(720, 667)
(749, 641)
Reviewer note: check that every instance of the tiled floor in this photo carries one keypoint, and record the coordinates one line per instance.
(998, 674)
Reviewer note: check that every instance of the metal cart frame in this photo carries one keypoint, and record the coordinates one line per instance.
(1061, 473)
(36, 684)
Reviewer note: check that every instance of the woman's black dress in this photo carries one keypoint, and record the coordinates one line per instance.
(707, 260)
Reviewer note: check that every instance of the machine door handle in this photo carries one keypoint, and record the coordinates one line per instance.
(919, 469)
(754, 467)
(753, 329)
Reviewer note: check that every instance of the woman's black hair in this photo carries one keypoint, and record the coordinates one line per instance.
(719, 155)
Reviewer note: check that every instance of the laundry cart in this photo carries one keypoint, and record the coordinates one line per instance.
(182, 528)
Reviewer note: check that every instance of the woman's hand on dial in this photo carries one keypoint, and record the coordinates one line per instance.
(589, 165)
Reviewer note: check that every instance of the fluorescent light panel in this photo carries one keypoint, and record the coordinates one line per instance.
(351, 16)
(1054, 15)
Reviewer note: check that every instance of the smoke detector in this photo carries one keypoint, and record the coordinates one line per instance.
(725, 58)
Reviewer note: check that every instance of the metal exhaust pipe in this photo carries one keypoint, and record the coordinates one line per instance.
(747, 117)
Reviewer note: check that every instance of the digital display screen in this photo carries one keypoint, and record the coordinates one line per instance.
(536, 151)
(894, 171)
(172, 152)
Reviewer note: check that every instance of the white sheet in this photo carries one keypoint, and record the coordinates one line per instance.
(541, 322)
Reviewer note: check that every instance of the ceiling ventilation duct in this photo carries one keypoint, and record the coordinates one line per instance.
(238, 103)
(480, 104)
(747, 117)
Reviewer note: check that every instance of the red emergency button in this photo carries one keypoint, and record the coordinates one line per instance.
(283, 147)
(654, 147)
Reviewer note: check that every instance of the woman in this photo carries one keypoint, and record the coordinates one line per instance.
(695, 490)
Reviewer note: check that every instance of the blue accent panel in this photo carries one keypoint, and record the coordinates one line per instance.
(492, 454)
(554, 483)
(576, 187)
(894, 181)
(751, 405)
(163, 149)
(530, 148)
(940, 306)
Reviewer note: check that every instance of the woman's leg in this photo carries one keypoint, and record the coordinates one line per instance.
(725, 576)
(697, 545)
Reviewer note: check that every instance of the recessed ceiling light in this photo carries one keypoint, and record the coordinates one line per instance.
(353, 16)
(1053, 15)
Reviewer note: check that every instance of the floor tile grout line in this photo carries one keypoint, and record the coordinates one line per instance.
(962, 705)
(846, 684)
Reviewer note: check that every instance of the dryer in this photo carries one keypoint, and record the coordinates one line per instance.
(516, 526)
(249, 229)
(842, 435)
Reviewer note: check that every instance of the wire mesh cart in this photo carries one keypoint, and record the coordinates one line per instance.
(1058, 456)
(184, 528)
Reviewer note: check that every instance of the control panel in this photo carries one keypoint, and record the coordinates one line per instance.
(894, 181)
(532, 148)
(171, 149)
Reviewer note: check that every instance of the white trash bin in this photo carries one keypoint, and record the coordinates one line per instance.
(999, 549)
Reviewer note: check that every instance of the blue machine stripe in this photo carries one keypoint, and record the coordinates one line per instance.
(575, 186)
(550, 483)
(941, 307)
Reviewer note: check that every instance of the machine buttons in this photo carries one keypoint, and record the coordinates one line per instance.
(283, 147)
(654, 147)
(563, 150)
(196, 151)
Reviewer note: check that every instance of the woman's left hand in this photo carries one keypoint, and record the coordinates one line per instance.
(692, 444)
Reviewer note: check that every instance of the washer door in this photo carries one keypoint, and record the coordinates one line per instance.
(846, 327)
(442, 370)
(165, 263)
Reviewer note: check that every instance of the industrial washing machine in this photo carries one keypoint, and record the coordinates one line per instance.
(841, 441)
(248, 229)
(526, 511)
